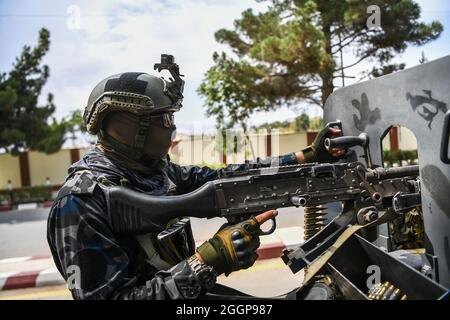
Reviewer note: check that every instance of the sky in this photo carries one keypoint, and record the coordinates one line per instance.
(119, 36)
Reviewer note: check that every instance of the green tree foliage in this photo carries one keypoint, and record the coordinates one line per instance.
(25, 125)
(316, 124)
(301, 123)
(290, 53)
(275, 125)
(399, 156)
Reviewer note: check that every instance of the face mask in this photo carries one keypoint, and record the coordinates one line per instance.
(160, 135)
(123, 126)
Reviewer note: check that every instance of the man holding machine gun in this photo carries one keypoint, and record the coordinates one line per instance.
(133, 116)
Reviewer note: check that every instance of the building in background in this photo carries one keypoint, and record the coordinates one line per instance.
(39, 169)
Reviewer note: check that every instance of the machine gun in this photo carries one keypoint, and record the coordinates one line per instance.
(238, 195)
(369, 196)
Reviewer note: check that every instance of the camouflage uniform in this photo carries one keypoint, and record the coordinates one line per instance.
(112, 266)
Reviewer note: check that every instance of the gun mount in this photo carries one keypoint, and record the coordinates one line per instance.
(371, 195)
(418, 99)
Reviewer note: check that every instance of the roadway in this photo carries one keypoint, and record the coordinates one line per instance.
(23, 233)
(267, 278)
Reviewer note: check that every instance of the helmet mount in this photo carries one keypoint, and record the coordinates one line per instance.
(174, 88)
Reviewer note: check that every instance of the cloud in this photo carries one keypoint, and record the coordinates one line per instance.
(119, 36)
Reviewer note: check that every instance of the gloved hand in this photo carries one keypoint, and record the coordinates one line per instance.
(316, 152)
(233, 247)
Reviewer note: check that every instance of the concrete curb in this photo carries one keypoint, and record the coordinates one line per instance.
(30, 279)
(272, 246)
(26, 278)
(5, 208)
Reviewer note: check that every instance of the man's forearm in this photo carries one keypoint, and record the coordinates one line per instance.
(300, 156)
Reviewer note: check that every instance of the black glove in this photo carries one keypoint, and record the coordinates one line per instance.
(316, 152)
(233, 247)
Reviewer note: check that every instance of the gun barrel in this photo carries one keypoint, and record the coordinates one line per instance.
(392, 173)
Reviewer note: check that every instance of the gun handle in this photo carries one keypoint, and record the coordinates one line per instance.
(346, 142)
(335, 124)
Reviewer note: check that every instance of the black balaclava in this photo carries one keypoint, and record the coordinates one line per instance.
(122, 126)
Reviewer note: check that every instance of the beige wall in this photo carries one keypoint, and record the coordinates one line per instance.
(41, 166)
(44, 165)
(289, 142)
(198, 150)
(195, 150)
(189, 150)
(406, 140)
(9, 170)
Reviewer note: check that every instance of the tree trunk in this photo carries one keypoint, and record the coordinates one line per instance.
(244, 127)
(327, 73)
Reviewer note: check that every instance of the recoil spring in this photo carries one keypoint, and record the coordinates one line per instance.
(314, 220)
(386, 291)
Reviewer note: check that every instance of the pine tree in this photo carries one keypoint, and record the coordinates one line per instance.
(291, 52)
(25, 125)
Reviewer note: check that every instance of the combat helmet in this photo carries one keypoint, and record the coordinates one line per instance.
(139, 93)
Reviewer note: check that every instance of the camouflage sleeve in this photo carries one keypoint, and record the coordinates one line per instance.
(189, 178)
(95, 266)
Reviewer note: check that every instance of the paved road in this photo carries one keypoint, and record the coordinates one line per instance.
(267, 278)
(23, 233)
